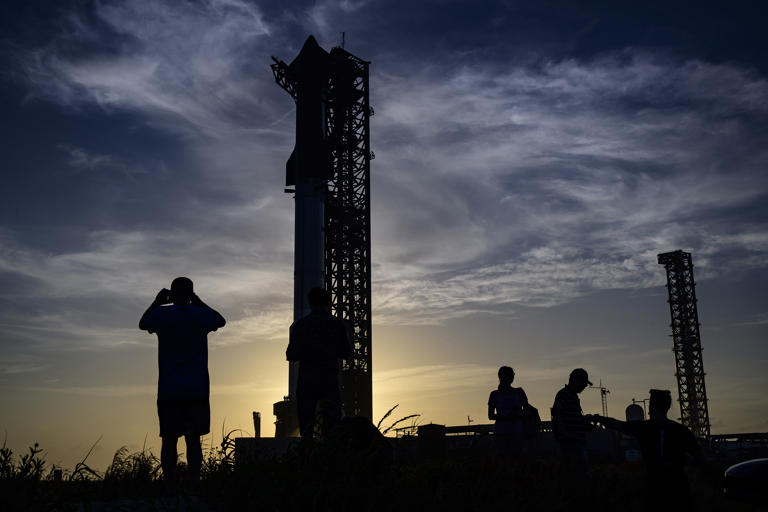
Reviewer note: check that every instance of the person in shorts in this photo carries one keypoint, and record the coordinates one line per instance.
(182, 322)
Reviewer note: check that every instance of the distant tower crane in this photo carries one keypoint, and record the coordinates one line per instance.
(603, 396)
(686, 341)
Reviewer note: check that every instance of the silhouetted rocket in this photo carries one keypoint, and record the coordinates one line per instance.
(309, 73)
(308, 169)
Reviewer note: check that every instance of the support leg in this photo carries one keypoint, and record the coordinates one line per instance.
(168, 460)
(194, 457)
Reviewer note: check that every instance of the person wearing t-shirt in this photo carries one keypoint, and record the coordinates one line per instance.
(505, 407)
(570, 426)
(183, 386)
(664, 445)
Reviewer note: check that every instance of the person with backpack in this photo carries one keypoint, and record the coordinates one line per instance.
(506, 406)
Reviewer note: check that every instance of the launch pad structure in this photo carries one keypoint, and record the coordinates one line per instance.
(329, 171)
(348, 222)
(681, 288)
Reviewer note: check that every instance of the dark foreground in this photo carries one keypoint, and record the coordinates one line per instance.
(325, 478)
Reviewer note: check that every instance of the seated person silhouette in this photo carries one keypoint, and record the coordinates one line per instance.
(183, 387)
(317, 342)
(505, 407)
(664, 444)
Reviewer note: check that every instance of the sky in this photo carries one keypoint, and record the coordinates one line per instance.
(531, 160)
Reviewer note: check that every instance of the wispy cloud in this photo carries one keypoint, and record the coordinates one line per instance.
(81, 159)
(537, 185)
(11, 364)
(268, 324)
(109, 390)
(759, 319)
(102, 391)
(327, 18)
(194, 85)
(23, 368)
(446, 377)
(496, 184)
(121, 272)
(110, 263)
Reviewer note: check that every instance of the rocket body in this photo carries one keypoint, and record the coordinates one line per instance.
(309, 253)
(307, 169)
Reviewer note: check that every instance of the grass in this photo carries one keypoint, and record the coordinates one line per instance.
(337, 474)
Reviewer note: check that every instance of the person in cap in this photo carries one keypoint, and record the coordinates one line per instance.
(317, 342)
(505, 408)
(664, 445)
(569, 424)
(182, 322)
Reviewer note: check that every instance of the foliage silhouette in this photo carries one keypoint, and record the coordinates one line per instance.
(313, 480)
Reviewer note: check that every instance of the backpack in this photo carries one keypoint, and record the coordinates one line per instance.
(531, 421)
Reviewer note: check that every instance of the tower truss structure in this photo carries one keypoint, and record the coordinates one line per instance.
(603, 396)
(348, 221)
(686, 340)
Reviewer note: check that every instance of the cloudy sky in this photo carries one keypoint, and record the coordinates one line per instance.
(532, 159)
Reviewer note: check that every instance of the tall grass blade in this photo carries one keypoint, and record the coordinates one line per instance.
(386, 415)
(404, 418)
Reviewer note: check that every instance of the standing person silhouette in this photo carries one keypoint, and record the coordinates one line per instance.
(570, 426)
(505, 407)
(183, 385)
(664, 444)
(317, 342)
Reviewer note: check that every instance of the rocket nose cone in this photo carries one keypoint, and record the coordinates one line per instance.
(311, 48)
(310, 42)
(311, 55)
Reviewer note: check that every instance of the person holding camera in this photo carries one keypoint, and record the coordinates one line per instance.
(182, 322)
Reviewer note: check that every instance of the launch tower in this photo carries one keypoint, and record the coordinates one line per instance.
(348, 222)
(330, 171)
(686, 341)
